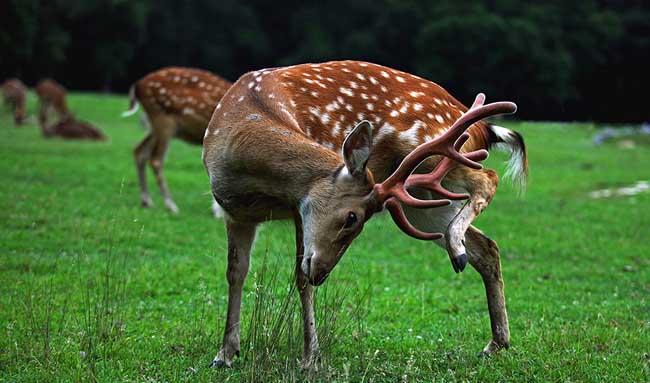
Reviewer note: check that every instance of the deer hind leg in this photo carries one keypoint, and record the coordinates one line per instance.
(142, 154)
(481, 185)
(240, 242)
(163, 130)
(484, 257)
(310, 351)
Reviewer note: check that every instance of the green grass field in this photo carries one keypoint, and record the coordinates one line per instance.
(93, 287)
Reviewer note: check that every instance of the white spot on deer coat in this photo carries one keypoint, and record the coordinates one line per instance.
(336, 129)
(332, 106)
(325, 118)
(346, 91)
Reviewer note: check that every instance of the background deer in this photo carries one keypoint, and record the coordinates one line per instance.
(52, 100)
(177, 102)
(72, 129)
(288, 143)
(14, 93)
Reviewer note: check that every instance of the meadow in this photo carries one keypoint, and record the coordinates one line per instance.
(95, 288)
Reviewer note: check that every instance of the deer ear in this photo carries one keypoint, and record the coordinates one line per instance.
(357, 147)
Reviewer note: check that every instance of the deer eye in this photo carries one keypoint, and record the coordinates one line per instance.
(350, 220)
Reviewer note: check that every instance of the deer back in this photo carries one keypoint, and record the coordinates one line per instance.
(188, 95)
(325, 101)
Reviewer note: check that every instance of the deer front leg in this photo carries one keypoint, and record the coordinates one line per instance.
(310, 351)
(240, 241)
(482, 185)
(142, 154)
(20, 113)
(42, 116)
(484, 257)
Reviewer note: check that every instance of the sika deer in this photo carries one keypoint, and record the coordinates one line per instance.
(329, 145)
(52, 99)
(14, 93)
(177, 102)
(70, 128)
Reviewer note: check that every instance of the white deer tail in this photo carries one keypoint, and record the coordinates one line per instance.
(134, 105)
(507, 140)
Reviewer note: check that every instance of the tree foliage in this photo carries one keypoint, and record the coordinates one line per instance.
(558, 59)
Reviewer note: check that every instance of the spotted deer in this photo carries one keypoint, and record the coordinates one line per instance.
(178, 102)
(14, 93)
(52, 100)
(329, 145)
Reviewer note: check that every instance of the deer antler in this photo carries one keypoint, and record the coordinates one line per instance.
(394, 189)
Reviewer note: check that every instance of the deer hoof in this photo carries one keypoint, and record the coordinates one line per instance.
(493, 347)
(146, 202)
(459, 262)
(171, 206)
(219, 364)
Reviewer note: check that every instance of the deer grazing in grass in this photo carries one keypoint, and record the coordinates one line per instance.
(177, 102)
(328, 145)
(14, 94)
(52, 99)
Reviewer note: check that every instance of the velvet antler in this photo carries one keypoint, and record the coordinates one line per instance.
(394, 189)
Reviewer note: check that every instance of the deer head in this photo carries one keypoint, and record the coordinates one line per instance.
(334, 211)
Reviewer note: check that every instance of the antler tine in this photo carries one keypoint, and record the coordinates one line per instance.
(394, 189)
(473, 115)
(395, 209)
(478, 101)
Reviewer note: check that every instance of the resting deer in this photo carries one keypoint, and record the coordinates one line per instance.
(328, 145)
(14, 93)
(70, 128)
(52, 99)
(177, 102)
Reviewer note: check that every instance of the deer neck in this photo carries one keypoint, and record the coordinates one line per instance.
(270, 161)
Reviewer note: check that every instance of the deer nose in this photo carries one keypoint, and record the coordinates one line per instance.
(306, 265)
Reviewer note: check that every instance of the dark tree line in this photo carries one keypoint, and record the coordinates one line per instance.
(557, 59)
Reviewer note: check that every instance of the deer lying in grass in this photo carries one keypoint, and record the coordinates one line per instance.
(52, 100)
(14, 93)
(328, 145)
(177, 102)
(72, 129)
